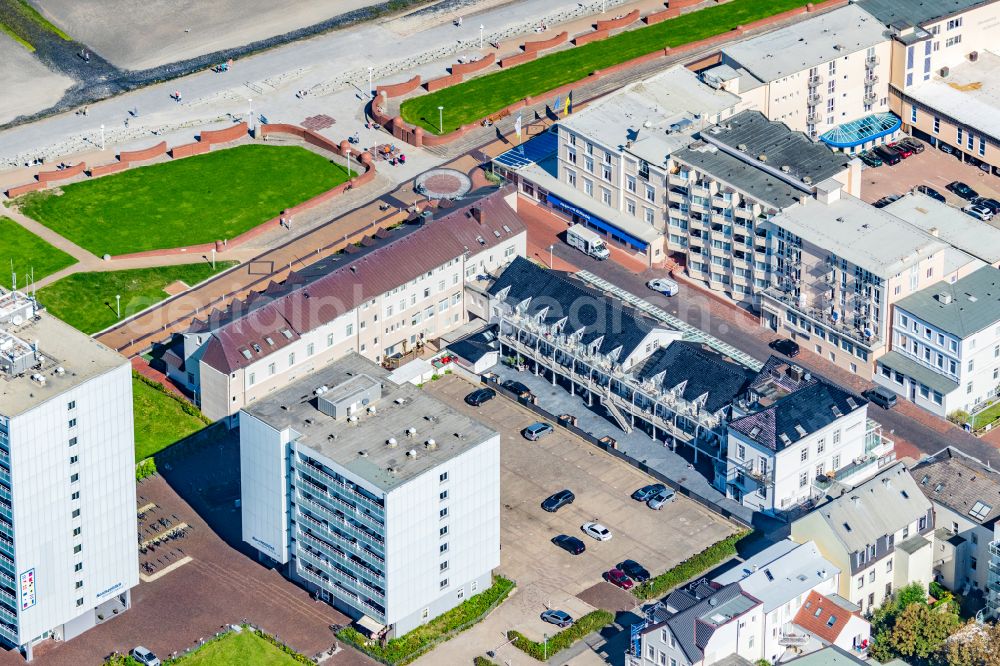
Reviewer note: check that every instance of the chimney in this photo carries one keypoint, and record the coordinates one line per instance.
(477, 214)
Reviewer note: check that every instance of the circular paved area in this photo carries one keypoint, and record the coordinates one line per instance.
(443, 184)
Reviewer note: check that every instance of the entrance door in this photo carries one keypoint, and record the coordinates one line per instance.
(324, 595)
(913, 390)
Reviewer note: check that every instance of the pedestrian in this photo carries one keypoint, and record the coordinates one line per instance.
(126, 121)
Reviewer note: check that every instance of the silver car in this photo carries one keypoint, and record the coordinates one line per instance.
(657, 501)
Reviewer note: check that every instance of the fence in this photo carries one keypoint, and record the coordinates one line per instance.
(607, 447)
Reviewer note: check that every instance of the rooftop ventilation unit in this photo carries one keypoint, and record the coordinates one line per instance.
(391, 442)
(430, 445)
(944, 298)
(410, 432)
(412, 453)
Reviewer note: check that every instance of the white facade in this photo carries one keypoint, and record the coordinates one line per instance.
(67, 484)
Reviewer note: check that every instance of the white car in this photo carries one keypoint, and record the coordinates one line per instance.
(979, 211)
(665, 286)
(144, 656)
(596, 531)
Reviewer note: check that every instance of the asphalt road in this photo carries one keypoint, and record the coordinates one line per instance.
(700, 310)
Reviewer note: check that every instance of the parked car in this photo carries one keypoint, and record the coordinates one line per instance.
(789, 348)
(144, 656)
(646, 492)
(561, 619)
(657, 501)
(903, 151)
(537, 430)
(886, 200)
(945, 148)
(558, 500)
(979, 211)
(570, 544)
(479, 396)
(915, 146)
(870, 158)
(881, 396)
(931, 192)
(597, 531)
(619, 578)
(517, 388)
(634, 570)
(665, 286)
(962, 190)
(887, 155)
(992, 204)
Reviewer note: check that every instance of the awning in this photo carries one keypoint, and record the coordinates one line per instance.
(920, 373)
(370, 626)
(597, 222)
(861, 131)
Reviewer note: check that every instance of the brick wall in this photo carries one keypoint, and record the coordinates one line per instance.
(543, 44)
(24, 189)
(443, 82)
(397, 89)
(62, 174)
(225, 135)
(614, 24)
(519, 59)
(189, 149)
(589, 37)
(463, 68)
(144, 154)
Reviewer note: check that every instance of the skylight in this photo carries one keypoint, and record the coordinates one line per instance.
(980, 511)
(767, 572)
(246, 353)
(831, 621)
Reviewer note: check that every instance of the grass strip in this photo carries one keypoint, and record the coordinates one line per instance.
(408, 647)
(10, 32)
(35, 16)
(699, 563)
(470, 101)
(543, 651)
(25, 254)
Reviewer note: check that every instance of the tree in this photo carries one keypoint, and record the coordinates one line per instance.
(959, 417)
(917, 633)
(974, 646)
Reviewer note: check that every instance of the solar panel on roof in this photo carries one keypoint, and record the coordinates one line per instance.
(535, 150)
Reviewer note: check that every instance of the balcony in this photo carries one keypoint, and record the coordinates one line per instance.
(871, 79)
(338, 554)
(342, 523)
(871, 62)
(376, 513)
(677, 180)
(815, 80)
(824, 318)
(814, 119)
(870, 99)
(814, 99)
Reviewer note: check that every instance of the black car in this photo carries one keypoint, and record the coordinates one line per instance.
(646, 492)
(886, 200)
(915, 146)
(517, 388)
(870, 158)
(992, 204)
(945, 148)
(931, 192)
(558, 500)
(479, 396)
(888, 155)
(789, 348)
(634, 570)
(570, 544)
(963, 190)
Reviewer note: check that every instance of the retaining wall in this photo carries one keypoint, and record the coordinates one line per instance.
(144, 154)
(237, 131)
(397, 89)
(518, 59)
(614, 24)
(62, 174)
(24, 189)
(443, 82)
(189, 149)
(463, 68)
(659, 17)
(543, 44)
(105, 169)
(589, 37)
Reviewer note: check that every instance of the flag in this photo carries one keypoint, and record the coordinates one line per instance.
(557, 106)
(517, 127)
(569, 103)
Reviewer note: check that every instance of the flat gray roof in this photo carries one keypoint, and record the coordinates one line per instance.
(60, 346)
(739, 175)
(806, 44)
(970, 94)
(866, 236)
(950, 225)
(974, 303)
(361, 447)
(908, 13)
(934, 380)
(793, 154)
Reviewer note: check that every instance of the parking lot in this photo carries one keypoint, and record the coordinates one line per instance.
(548, 577)
(931, 167)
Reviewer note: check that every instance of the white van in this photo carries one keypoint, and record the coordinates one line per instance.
(587, 241)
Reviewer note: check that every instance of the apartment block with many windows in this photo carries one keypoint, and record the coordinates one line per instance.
(68, 556)
(378, 498)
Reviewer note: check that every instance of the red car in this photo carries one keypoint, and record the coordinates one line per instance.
(903, 151)
(619, 578)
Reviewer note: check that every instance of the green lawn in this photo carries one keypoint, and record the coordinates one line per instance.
(470, 101)
(28, 252)
(242, 648)
(160, 419)
(87, 300)
(199, 199)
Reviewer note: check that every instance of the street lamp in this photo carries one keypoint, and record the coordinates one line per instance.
(250, 115)
(545, 648)
(102, 136)
(370, 89)
(441, 119)
(481, 28)
(118, 304)
(348, 163)
(550, 254)
(213, 258)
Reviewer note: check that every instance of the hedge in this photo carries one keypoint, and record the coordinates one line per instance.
(483, 661)
(145, 468)
(557, 642)
(718, 552)
(406, 648)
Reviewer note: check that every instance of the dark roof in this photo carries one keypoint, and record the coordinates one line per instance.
(905, 13)
(695, 626)
(327, 288)
(554, 296)
(700, 370)
(779, 377)
(739, 174)
(961, 483)
(797, 415)
(751, 134)
(474, 346)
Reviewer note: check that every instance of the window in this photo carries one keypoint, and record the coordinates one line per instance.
(310, 349)
(937, 124)
(291, 359)
(954, 23)
(650, 194)
(444, 566)
(74, 478)
(630, 206)
(835, 463)
(78, 566)
(443, 495)
(79, 602)
(460, 594)
(606, 196)
(871, 576)
(76, 513)
(72, 441)
(443, 476)
(588, 187)
(443, 531)
(76, 531)
(803, 479)
(443, 512)
(425, 613)
(349, 330)
(973, 563)
(77, 548)
(75, 496)
(329, 340)
(630, 183)
(861, 581)
(475, 585)
(606, 172)
(78, 584)
(71, 405)
(888, 565)
(74, 460)
(251, 379)
(444, 583)
(741, 451)
(443, 548)
(922, 523)
(804, 454)
(820, 446)
(72, 423)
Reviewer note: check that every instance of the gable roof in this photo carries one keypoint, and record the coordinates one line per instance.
(335, 285)
(971, 304)
(694, 627)
(823, 617)
(798, 415)
(781, 572)
(553, 296)
(878, 507)
(700, 370)
(961, 483)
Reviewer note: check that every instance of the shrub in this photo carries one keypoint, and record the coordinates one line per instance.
(406, 648)
(542, 651)
(689, 568)
(145, 468)
(483, 661)
(959, 417)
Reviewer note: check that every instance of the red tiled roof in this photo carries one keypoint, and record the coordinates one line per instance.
(815, 614)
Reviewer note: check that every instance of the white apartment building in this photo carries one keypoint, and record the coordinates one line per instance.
(379, 498)
(68, 556)
(879, 534)
(795, 433)
(404, 287)
(965, 494)
(827, 76)
(946, 345)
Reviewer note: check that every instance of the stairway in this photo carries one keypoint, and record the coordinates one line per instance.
(623, 423)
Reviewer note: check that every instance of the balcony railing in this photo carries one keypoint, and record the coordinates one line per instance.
(823, 316)
(871, 61)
